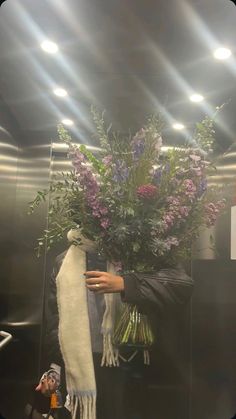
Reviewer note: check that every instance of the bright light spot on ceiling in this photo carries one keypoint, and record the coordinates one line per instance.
(67, 122)
(196, 97)
(178, 126)
(59, 91)
(222, 53)
(49, 46)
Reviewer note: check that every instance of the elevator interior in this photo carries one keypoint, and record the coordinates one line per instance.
(129, 58)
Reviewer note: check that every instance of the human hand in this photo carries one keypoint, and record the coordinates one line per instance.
(49, 383)
(104, 282)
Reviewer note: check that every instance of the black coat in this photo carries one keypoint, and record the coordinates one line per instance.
(158, 295)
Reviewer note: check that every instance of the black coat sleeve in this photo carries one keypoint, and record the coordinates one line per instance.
(158, 291)
(52, 347)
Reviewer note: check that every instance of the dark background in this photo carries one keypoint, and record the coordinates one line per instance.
(130, 58)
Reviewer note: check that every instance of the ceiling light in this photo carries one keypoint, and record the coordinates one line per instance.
(60, 92)
(49, 46)
(67, 122)
(178, 126)
(196, 97)
(222, 53)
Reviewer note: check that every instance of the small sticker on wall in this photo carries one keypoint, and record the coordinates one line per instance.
(233, 232)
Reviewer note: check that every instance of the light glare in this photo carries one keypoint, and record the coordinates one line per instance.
(196, 97)
(67, 122)
(49, 46)
(178, 126)
(59, 91)
(222, 53)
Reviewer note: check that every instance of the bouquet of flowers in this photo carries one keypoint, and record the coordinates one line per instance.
(142, 207)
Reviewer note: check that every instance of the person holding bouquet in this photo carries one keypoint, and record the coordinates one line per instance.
(140, 210)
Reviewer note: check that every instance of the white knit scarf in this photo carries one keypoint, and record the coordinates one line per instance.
(74, 329)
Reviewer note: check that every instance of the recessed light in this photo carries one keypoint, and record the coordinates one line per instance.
(49, 46)
(178, 126)
(196, 97)
(222, 53)
(67, 122)
(59, 91)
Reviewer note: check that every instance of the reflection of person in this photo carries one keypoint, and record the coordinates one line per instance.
(121, 392)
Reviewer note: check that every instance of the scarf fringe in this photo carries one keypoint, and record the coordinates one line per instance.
(110, 357)
(86, 404)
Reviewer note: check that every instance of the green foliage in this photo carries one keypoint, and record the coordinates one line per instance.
(142, 207)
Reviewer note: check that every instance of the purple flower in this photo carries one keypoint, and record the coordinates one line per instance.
(157, 174)
(121, 171)
(107, 160)
(167, 167)
(202, 187)
(88, 182)
(138, 143)
(77, 158)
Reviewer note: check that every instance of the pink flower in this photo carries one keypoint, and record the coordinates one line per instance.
(184, 211)
(105, 223)
(147, 191)
(212, 211)
(169, 219)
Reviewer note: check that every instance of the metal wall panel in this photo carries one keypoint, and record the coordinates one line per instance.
(214, 340)
(22, 278)
(214, 315)
(8, 179)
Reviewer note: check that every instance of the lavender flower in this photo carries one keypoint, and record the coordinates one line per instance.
(120, 171)
(157, 175)
(88, 182)
(107, 160)
(138, 144)
(202, 187)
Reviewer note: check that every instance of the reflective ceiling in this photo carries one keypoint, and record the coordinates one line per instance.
(128, 57)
